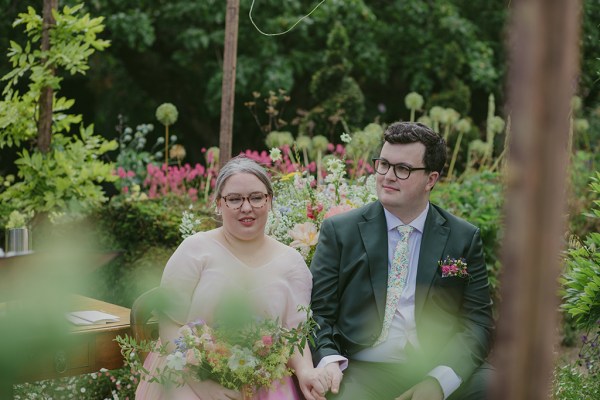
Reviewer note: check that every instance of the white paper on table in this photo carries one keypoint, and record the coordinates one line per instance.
(91, 317)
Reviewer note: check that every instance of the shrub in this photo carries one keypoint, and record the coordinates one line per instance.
(148, 232)
(477, 199)
(570, 383)
(66, 172)
(581, 287)
(147, 223)
(117, 384)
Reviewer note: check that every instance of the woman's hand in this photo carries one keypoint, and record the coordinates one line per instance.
(211, 390)
(314, 383)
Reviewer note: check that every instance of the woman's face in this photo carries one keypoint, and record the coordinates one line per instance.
(244, 221)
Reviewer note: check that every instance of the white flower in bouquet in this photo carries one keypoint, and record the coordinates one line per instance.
(241, 357)
(176, 361)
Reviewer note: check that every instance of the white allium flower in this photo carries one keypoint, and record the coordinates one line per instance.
(275, 154)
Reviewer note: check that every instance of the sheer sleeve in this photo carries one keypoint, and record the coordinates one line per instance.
(300, 287)
(182, 275)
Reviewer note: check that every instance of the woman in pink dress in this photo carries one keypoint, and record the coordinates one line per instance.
(238, 257)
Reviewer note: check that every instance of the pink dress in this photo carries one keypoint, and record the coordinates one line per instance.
(202, 271)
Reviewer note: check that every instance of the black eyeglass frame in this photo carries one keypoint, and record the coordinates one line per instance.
(393, 166)
(246, 198)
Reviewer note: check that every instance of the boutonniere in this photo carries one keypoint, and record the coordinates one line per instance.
(454, 267)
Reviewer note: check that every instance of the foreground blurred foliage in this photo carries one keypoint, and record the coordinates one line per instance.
(157, 46)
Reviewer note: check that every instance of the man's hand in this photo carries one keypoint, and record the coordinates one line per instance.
(428, 389)
(335, 376)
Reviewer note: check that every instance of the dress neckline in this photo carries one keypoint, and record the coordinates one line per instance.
(237, 258)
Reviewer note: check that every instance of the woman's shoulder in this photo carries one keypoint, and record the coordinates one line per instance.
(200, 237)
(290, 259)
(284, 249)
(198, 243)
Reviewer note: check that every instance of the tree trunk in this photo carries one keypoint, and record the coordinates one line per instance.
(44, 137)
(544, 40)
(228, 88)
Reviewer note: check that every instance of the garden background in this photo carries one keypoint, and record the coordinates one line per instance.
(352, 67)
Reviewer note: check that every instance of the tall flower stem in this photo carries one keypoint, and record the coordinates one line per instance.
(454, 156)
(166, 145)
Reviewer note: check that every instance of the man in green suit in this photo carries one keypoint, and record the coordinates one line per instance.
(400, 286)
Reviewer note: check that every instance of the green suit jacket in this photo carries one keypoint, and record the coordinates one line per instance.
(453, 315)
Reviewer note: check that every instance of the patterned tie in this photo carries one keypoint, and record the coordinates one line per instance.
(396, 279)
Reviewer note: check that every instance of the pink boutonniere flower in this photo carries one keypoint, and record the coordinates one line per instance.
(454, 267)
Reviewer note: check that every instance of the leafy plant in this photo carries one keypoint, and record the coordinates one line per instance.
(570, 383)
(476, 200)
(581, 287)
(66, 177)
(581, 280)
(73, 40)
(340, 98)
(104, 384)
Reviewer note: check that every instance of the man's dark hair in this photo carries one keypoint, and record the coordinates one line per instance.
(434, 158)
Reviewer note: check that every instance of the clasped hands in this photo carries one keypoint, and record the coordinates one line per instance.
(427, 389)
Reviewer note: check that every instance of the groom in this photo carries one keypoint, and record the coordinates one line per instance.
(400, 287)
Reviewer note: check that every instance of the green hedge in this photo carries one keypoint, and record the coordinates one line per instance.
(147, 231)
(478, 198)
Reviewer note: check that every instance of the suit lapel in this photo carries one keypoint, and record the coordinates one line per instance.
(435, 236)
(373, 232)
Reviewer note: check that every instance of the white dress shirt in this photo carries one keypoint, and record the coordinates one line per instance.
(403, 329)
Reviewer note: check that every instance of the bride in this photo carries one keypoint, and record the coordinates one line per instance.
(238, 258)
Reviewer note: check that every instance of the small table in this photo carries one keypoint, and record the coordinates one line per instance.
(89, 347)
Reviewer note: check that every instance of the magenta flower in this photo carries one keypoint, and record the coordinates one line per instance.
(454, 267)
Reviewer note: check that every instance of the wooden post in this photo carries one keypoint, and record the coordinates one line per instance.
(228, 89)
(44, 137)
(543, 45)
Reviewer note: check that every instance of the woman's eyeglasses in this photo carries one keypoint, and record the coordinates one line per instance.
(236, 200)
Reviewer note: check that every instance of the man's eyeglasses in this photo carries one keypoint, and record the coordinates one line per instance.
(236, 200)
(402, 171)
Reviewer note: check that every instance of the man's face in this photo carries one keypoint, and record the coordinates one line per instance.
(405, 197)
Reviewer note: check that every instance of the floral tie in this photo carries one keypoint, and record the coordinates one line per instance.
(396, 279)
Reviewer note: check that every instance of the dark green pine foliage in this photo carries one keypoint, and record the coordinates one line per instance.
(343, 102)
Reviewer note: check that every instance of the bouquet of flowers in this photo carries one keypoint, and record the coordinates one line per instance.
(243, 355)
